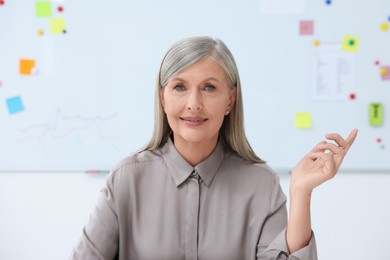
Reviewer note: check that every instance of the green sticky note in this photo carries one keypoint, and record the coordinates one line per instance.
(57, 25)
(376, 114)
(303, 120)
(43, 9)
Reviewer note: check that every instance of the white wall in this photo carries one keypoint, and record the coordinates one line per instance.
(42, 214)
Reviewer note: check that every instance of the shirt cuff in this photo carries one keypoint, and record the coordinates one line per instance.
(308, 252)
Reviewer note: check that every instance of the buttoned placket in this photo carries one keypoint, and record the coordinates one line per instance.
(283, 256)
(192, 218)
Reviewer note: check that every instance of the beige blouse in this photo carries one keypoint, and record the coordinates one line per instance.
(157, 206)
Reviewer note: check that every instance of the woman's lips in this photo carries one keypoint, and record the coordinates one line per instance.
(193, 121)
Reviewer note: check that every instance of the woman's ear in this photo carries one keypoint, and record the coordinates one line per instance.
(232, 98)
(162, 98)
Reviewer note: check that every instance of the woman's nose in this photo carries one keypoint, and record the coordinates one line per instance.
(194, 101)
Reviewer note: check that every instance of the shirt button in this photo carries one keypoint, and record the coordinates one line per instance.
(194, 174)
(283, 256)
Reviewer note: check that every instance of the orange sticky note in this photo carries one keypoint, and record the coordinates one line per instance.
(25, 66)
(350, 43)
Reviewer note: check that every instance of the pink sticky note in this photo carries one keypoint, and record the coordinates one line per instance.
(385, 72)
(306, 27)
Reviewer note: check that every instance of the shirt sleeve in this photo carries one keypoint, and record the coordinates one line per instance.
(99, 239)
(272, 244)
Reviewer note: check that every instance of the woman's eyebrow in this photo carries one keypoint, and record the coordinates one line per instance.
(211, 79)
(206, 79)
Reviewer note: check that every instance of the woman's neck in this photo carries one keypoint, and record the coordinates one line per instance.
(195, 152)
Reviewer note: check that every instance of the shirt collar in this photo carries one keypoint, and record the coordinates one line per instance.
(180, 169)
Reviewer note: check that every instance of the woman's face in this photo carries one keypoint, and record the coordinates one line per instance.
(196, 101)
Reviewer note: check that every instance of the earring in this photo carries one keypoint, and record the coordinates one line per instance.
(227, 112)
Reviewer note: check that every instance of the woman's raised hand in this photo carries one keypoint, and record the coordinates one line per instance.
(322, 163)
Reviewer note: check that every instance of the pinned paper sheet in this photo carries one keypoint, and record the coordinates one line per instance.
(376, 114)
(306, 27)
(303, 120)
(385, 72)
(350, 43)
(15, 105)
(57, 25)
(26, 66)
(42, 9)
(333, 73)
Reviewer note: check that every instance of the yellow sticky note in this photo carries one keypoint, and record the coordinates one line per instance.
(350, 43)
(303, 120)
(57, 25)
(42, 9)
(25, 66)
(384, 26)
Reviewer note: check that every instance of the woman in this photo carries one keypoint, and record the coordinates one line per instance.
(198, 191)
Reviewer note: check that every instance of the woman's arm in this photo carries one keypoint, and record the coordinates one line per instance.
(99, 239)
(317, 167)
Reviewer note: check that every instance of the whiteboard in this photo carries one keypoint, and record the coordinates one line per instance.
(89, 101)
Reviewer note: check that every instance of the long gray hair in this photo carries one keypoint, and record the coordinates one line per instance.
(180, 56)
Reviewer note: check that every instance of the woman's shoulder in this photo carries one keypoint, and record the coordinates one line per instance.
(137, 159)
(234, 161)
(259, 179)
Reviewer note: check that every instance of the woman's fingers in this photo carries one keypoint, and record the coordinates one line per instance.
(352, 136)
(339, 140)
(323, 147)
(317, 147)
(325, 162)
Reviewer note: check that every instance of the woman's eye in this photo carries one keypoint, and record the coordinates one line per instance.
(179, 88)
(209, 88)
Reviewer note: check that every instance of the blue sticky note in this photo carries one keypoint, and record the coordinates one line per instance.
(15, 104)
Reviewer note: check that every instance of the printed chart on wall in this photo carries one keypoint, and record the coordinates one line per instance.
(77, 79)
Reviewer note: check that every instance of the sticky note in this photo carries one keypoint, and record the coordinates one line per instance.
(350, 43)
(15, 104)
(25, 66)
(385, 72)
(303, 120)
(57, 25)
(306, 27)
(42, 9)
(384, 26)
(376, 114)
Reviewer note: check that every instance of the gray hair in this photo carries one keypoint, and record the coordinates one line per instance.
(180, 56)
